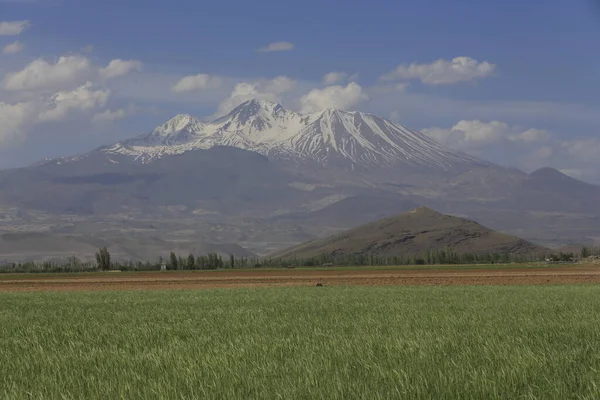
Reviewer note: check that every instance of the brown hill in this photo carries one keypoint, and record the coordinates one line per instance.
(414, 233)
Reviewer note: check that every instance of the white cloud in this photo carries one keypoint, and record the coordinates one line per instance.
(334, 77)
(531, 135)
(18, 120)
(579, 158)
(277, 46)
(528, 149)
(196, 83)
(13, 48)
(40, 74)
(443, 72)
(339, 97)
(88, 49)
(584, 149)
(400, 86)
(119, 67)
(337, 77)
(270, 90)
(66, 72)
(84, 98)
(395, 115)
(476, 135)
(278, 85)
(13, 119)
(108, 116)
(13, 28)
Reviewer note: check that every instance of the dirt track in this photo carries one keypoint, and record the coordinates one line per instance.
(258, 278)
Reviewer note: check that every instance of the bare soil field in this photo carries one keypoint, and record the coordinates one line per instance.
(285, 277)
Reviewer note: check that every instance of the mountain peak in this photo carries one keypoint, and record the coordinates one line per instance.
(422, 210)
(253, 107)
(182, 128)
(332, 113)
(261, 103)
(179, 123)
(550, 175)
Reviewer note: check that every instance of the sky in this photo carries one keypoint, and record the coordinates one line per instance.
(509, 81)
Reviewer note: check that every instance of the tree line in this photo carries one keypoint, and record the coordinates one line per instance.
(213, 261)
(432, 257)
(587, 251)
(104, 262)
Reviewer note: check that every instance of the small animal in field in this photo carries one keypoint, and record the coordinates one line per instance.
(319, 284)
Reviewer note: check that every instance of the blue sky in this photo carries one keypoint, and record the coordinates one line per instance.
(536, 105)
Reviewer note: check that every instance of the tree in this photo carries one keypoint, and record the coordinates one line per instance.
(201, 262)
(173, 263)
(585, 252)
(74, 263)
(231, 261)
(103, 259)
(191, 261)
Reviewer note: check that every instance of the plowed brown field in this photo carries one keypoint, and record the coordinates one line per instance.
(262, 278)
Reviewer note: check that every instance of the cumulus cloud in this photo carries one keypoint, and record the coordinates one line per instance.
(339, 97)
(530, 135)
(277, 46)
(13, 48)
(40, 74)
(13, 28)
(395, 115)
(84, 98)
(443, 72)
(118, 67)
(585, 149)
(475, 135)
(270, 90)
(278, 85)
(108, 116)
(528, 149)
(19, 120)
(334, 77)
(196, 83)
(13, 120)
(578, 158)
(66, 72)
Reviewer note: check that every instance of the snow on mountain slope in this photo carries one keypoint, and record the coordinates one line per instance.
(329, 136)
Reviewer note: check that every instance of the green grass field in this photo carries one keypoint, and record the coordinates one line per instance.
(455, 342)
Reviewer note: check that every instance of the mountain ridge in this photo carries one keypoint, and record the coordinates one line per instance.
(346, 139)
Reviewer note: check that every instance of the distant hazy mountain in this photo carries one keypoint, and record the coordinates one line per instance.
(413, 233)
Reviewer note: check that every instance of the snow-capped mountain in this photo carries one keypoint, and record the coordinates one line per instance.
(322, 171)
(328, 137)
